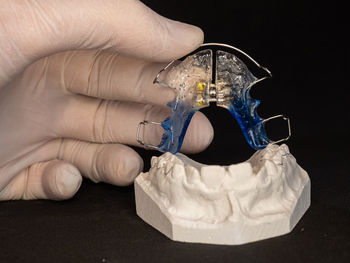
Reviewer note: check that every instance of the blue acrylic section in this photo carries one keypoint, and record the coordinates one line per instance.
(243, 108)
(238, 80)
(175, 127)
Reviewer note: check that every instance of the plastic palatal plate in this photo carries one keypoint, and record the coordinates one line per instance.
(232, 77)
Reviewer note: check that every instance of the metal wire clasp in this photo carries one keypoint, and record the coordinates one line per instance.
(138, 134)
(288, 123)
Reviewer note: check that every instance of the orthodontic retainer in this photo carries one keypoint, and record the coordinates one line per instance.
(192, 79)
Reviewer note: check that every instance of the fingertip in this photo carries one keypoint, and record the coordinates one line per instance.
(189, 36)
(131, 168)
(119, 165)
(170, 39)
(68, 181)
(199, 135)
(61, 181)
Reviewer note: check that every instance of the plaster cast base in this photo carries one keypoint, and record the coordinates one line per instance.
(172, 212)
(226, 234)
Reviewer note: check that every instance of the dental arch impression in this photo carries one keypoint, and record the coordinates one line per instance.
(187, 201)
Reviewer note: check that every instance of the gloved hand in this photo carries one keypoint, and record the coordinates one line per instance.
(75, 81)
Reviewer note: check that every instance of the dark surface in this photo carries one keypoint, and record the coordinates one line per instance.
(303, 47)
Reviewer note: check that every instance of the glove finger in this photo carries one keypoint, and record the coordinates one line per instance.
(127, 27)
(106, 121)
(199, 135)
(107, 75)
(110, 163)
(54, 179)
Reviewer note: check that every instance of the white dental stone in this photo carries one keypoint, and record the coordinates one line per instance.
(213, 175)
(187, 201)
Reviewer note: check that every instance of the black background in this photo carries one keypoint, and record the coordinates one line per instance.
(303, 45)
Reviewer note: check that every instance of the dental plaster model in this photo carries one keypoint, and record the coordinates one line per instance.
(187, 201)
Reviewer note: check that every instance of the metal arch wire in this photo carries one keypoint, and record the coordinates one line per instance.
(156, 79)
(240, 51)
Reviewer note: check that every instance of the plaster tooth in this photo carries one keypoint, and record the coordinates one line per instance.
(169, 166)
(192, 175)
(277, 158)
(240, 172)
(178, 171)
(285, 150)
(213, 175)
(154, 161)
(177, 160)
(269, 152)
(168, 156)
(161, 162)
(276, 153)
(272, 168)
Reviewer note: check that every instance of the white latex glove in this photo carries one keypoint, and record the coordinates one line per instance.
(75, 81)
